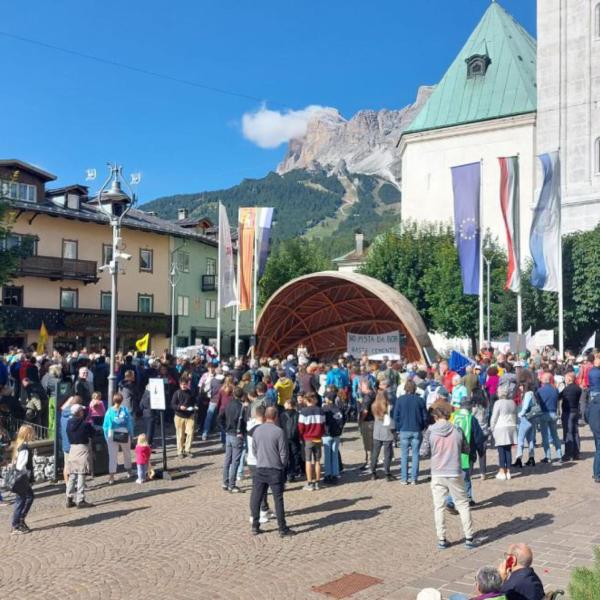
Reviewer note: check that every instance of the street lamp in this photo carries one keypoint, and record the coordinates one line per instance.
(173, 280)
(115, 204)
(174, 277)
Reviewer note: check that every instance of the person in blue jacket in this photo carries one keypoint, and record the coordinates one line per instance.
(118, 431)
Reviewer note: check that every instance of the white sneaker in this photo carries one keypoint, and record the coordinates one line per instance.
(507, 474)
(139, 481)
(269, 514)
(262, 520)
(500, 475)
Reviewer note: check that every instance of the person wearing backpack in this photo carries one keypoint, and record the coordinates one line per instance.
(464, 420)
(528, 417)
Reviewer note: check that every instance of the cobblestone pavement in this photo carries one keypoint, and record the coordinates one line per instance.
(187, 539)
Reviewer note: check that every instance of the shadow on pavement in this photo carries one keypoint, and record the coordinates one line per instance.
(328, 506)
(142, 494)
(514, 497)
(342, 517)
(514, 527)
(92, 518)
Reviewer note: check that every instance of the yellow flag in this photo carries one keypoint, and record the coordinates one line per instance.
(43, 339)
(142, 343)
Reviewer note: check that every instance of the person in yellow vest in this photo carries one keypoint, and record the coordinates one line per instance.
(464, 420)
(284, 387)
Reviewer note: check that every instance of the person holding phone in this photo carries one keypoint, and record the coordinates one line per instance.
(520, 581)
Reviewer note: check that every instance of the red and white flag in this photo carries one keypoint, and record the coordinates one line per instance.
(509, 202)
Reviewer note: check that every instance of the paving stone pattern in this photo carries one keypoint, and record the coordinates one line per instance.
(187, 539)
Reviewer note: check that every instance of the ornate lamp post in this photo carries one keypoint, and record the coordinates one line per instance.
(115, 204)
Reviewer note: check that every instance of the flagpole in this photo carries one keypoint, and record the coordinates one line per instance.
(561, 314)
(239, 295)
(220, 241)
(517, 222)
(481, 325)
(255, 276)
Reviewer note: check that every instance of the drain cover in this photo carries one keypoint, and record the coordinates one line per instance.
(347, 585)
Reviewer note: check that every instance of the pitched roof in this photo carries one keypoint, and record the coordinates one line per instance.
(29, 168)
(507, 88)
(134, 219)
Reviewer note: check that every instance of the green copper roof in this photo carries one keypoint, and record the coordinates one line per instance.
(507, 88)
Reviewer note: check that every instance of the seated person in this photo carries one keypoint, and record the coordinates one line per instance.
(488, 584)
(520, 582)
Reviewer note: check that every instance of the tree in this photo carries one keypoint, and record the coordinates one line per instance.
(581, 273)
(290, 259)
(421, 262)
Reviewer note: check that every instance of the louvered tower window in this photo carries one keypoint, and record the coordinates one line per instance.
(477, 65)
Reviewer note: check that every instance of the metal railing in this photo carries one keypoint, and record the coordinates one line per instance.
(13, 424)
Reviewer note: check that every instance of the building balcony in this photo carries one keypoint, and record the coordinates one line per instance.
(209, 283)
(84, 321)
(56, 268)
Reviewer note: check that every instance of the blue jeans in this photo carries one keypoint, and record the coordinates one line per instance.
(240, 471)
(233, 452)
(210, 413)
(331, 448)
(525, 434)
(23, 503)
(597, 457)
(550, 430)
(142, 472)
(412, 440)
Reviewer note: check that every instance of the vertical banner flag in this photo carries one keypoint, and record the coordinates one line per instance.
(544, 239)
(228, 291)
(264, 219)
(509, 203)
(466, 180)
(246, 224)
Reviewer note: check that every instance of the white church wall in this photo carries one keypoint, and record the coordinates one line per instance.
(428, 156)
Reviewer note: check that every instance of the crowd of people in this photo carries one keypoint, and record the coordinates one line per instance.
(284, 419)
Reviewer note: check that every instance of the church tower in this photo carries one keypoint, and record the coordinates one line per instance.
(568, 81)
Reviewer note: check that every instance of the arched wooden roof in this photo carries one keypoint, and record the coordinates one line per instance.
(319, 309)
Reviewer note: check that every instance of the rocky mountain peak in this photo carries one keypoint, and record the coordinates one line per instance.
(366, 143)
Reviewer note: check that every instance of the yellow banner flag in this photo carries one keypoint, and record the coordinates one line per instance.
(43, 339)
(142, 344)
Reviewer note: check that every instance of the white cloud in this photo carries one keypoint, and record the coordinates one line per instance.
(270, 128)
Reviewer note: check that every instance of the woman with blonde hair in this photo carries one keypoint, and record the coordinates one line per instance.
(23, 461)
(383, 435)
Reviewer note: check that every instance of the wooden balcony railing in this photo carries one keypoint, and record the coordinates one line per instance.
(57, 268)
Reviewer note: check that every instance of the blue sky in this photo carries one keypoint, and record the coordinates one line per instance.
(67, 113)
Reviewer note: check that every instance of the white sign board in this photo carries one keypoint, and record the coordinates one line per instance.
(544, 337)
(373, 344)
(157, 394)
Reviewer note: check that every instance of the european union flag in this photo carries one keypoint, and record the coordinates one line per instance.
(466, 181)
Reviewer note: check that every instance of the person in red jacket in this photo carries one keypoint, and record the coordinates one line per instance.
(311, 426)
(447, 375)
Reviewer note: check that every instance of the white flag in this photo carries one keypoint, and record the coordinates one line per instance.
(529, 341)
(591, 344)
(226, 275)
